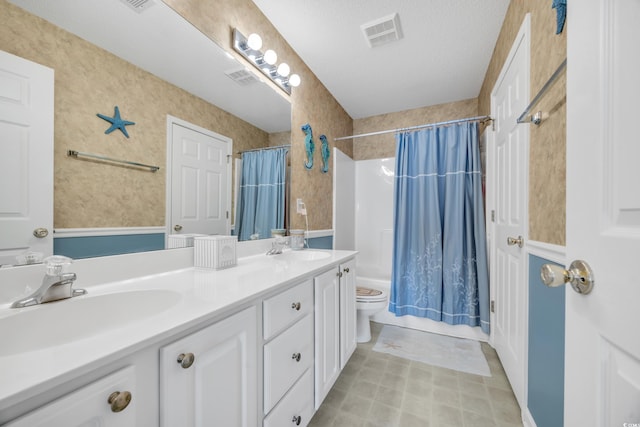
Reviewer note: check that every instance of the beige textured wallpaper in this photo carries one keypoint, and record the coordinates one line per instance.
(89, 80)
(547, 218)
(311, 102)
(381, 146)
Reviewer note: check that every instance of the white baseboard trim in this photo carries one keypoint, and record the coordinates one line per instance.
(555, 253)
(527, 418)
(115, 231)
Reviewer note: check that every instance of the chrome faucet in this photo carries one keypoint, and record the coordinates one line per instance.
(278, 245)
(56, 284)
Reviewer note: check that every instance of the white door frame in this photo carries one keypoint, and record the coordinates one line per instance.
(523, 38)
(171, 120)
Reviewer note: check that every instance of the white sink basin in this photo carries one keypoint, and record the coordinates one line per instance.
(61, 322)
(305, 255)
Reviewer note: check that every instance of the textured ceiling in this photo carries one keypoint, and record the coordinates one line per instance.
(443, 56)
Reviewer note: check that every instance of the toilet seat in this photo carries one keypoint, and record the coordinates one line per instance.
(369, 295)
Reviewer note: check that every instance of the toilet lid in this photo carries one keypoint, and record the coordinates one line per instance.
(368, 294)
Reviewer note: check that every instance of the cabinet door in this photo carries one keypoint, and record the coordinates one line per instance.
(90, 405)
(347, 311)
(209, 378)
(327, 338)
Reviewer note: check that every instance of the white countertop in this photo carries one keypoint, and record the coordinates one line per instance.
(203, 295)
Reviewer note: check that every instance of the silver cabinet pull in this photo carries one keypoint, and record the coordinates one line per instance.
(346, 270)
(177, 227)
(579, 275)
(339, 274)
(186, 360)
(119, 400)
(41, 232)
(515, 241)
(296, 306)
(296, 357)
(297, 419)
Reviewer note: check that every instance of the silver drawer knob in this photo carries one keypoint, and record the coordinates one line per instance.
(186, 360)
(119, 400)
(297, 419)
(296, 357)
(296, 306)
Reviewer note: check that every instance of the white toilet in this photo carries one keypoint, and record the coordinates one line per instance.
(368, 302)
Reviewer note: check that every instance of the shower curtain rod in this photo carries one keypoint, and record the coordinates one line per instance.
(266, 148)
(450, 122)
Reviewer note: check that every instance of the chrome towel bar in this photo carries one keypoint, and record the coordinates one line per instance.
(78, 154)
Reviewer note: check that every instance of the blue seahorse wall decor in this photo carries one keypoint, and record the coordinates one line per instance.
(309, 146)
(324, 150)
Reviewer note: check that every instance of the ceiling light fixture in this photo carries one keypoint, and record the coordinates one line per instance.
(250, 47)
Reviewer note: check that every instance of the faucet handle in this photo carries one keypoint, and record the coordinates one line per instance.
(57, 264)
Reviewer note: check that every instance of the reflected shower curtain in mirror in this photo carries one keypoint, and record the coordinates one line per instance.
(261, 201)
(439, 248)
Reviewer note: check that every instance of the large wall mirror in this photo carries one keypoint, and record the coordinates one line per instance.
(164, 44)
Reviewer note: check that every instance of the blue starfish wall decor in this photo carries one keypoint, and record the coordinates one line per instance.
(324, 150)
(116, 122)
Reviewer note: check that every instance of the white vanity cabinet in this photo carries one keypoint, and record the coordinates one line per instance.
(348, 313)
(289, 357)
(107, 402)
(209, 378)
(335, 319)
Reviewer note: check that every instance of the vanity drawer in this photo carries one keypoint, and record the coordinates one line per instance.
(296, 406)
(287, 307)
(285, 359)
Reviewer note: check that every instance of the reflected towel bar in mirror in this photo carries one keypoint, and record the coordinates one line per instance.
(78, 154)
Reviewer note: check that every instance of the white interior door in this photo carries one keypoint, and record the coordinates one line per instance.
(602, 352)
(510, 158)
(344, 201)
(26, 157)
(200, 197)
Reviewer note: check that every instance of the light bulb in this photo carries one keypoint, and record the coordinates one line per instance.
(283, 69)
(270, 57)
(254, 41)
(294, 80)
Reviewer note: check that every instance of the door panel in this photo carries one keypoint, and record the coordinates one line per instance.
(26, 157)
(510, 98)
(200, 186)
(602, 357)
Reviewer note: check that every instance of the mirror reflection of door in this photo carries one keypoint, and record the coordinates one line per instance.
(200, 195)
(26, 159)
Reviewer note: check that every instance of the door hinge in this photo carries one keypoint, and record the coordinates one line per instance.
(227, 214)
(493, 306)
(493, 124)
(493, 215)
(228, 158)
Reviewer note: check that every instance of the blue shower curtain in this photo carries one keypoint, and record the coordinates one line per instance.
(261, 202)
(439, 248)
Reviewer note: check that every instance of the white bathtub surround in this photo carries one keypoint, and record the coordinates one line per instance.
(374, 243)
(144, 300)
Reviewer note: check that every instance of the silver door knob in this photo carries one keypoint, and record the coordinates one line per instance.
(177, 227)
(41, 232)
(579, 275)
(515, 241)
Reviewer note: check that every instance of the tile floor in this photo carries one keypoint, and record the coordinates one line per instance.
(414, 394)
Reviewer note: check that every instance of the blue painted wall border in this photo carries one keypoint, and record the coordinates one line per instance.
(93, 246)
(546, 348)
(325, 242)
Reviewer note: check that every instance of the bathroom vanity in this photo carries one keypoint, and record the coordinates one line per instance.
(156, 342)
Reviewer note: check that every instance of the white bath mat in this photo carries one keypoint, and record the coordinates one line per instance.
(447, 352)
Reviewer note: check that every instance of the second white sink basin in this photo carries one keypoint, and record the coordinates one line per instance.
(61, 322)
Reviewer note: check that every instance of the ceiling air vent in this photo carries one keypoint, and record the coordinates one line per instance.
(383, 30)
(242, 76)
(139, 5)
